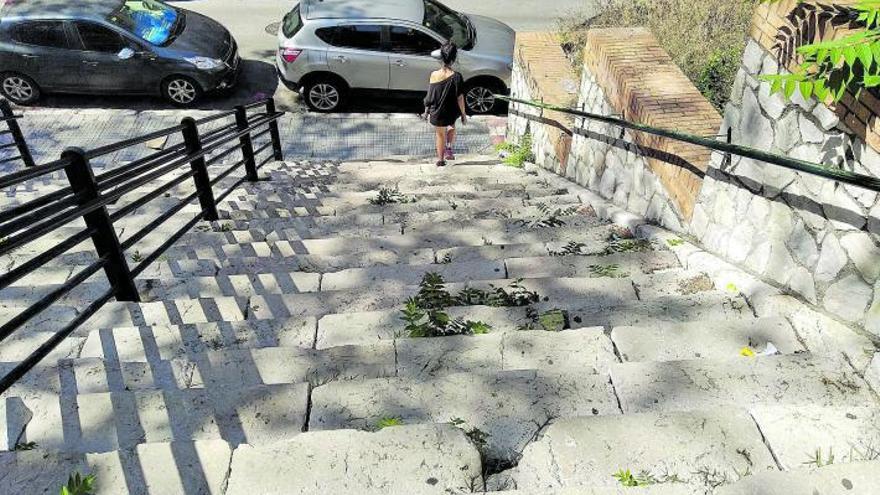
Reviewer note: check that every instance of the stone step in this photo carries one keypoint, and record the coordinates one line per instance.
(436, 185)
(719, 339)
(147, 469)
(810, 436)
(283, 206)
(702, 449)
(618, 265)
(364, 327)
(103, 422)
(800, 379)
(166, 342)
(404, 460)
(503, 410)
(858, 477)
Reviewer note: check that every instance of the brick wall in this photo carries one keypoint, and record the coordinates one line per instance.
(644, 85)
(543, 74)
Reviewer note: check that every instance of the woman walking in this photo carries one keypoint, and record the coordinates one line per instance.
(445, 103)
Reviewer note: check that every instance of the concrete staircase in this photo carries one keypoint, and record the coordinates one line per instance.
(268, 356)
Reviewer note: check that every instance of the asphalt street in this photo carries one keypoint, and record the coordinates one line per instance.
(254, 24)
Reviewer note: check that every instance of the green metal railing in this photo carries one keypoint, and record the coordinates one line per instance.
(839, 175)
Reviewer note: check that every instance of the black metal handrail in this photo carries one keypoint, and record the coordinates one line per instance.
(14, 130)
(839, 175)
(89, 198)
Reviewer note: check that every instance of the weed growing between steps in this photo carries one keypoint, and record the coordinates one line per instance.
(390, 196)
(25, 446)
(554, 320)
(622, 240)
(548, 217)
(570, 249)
(79, 485)
(516, 155)
(609, 271)
(388, 422)
(424, 314)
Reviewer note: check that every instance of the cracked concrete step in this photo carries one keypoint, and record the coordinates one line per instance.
(807, 436)
(103, 422)
(799, 379)
(509, 407)
(166, 342)
(699, 448)
(710, 339)
(276, 204)
(663, 489)
(859, 477)
(449, 186)
(148, 469)
(364, 327)
(405, 460)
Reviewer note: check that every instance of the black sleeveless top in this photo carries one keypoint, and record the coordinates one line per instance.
(442, 100)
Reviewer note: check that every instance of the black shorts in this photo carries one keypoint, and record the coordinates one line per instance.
(443, 121)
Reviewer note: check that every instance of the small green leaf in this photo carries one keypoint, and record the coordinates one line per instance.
(806, 88)
(776, 87)
(790, 87)
(865, 55)
(850, 55)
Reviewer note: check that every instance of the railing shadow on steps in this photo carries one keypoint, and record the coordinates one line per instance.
(87, 197)
(816, 169)
(13, 131)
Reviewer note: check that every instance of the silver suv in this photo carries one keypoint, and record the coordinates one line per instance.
(330, 49)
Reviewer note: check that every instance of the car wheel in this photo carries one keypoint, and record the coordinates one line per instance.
(325, 95)
(479, 98)
(181, 91)
(19, 88)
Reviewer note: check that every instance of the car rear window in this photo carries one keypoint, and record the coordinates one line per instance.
(358, 36)
(292, 23)
(43, 33)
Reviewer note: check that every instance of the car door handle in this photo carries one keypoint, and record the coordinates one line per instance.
(341, 58)
(400, 63)
(90, 63)
(28, 55)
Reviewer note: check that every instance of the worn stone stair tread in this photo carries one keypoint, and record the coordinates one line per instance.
(697, 447)
(620, 265)
(798, 379)
(148, 469)
(855, 478)
(103, 422)
(581, 293)
(405, 460)
(509, 406)
(708, 339)
(165, 342)
(658, 489)
(363, 327)
(812, 435)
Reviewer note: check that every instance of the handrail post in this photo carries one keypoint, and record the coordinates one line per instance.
(82, 181)
(17, 135)
(247, 144)
(273, 130)
(200, 176)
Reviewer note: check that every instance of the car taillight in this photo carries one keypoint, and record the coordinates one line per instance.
(290, 54)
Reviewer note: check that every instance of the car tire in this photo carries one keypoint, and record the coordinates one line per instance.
(325, 94)
(181, 91)
(479, 97)
(19, 88)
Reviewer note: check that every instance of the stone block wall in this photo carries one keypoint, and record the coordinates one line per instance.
(812, 237)
(816, 238)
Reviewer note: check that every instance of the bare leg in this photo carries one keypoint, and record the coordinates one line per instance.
(441, 143)
(450, 137)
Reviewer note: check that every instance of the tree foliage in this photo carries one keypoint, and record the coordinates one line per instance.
(828, 68)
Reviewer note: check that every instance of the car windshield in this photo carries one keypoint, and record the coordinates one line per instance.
(149, 20)
(448, 23)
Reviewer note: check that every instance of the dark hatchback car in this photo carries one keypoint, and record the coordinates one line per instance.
(112, 47)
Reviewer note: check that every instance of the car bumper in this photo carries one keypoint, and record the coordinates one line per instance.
(221, 80)
(294, 86)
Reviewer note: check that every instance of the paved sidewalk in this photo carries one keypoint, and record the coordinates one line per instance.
(326, 137)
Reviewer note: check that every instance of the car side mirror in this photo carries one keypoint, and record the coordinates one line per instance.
(436, 54)
(125, 54)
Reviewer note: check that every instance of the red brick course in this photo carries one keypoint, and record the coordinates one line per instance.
(642, 82)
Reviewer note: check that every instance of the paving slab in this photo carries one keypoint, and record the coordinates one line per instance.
(709, 339)
(582, 349)
(800, 379)
(510, 406)
(808, 436)
(412, 274)
(697, 448)
(620, 265)
(426, 459)
(860, 477)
